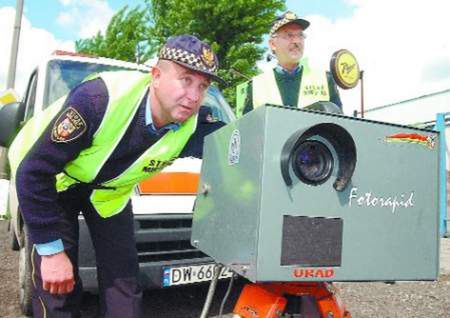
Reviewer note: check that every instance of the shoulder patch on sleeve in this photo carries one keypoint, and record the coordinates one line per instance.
(69, 126)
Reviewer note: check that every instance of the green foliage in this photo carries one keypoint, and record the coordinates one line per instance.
(125, 38)
(234, 29)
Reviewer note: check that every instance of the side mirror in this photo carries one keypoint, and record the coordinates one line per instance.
(11, 116)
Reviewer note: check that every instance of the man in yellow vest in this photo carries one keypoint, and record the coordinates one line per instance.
(292, 82)
(86, 153)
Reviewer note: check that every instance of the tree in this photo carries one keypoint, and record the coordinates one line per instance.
(126, 38)
(234, 29)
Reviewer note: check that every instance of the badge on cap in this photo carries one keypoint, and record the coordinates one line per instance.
(207, 57)
(68, 127)
(290, 16)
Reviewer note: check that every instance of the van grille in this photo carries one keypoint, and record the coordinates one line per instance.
(162, 238)
(166, 223)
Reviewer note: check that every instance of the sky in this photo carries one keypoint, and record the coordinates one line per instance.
(403, 46)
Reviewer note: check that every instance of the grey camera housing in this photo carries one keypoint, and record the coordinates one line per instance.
(374, 219)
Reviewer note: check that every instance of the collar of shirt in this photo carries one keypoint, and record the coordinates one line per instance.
(282, 71)
(149, 122)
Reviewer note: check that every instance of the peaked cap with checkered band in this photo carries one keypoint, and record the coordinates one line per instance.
(286, 18)
(192, 53)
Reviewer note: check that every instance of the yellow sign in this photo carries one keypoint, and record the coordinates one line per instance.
(345, 69)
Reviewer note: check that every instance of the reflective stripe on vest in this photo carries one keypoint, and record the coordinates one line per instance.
(313, 88)
(126, 90)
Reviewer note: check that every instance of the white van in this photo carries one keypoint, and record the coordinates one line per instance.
(162, 205)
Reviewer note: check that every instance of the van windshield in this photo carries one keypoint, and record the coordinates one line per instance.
(64, 75)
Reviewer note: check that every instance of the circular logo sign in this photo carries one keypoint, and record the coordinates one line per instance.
(234, 148)
(345, 69)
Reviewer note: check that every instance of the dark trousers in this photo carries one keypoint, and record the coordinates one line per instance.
(116, 258)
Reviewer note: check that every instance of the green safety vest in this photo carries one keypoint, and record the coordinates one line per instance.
(126, 90)
(313, 88)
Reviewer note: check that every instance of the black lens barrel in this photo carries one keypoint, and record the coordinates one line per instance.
(313, 154)
(312, 162)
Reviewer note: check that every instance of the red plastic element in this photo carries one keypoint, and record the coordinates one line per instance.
(268, 301)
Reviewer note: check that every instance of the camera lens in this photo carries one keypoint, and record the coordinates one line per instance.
(312, 162)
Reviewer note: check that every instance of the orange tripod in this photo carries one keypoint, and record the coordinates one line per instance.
(269, 300)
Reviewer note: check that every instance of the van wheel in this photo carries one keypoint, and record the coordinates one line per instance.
(13, 243)
(25, 283)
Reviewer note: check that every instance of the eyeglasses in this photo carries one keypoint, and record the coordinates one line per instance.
(291, 36)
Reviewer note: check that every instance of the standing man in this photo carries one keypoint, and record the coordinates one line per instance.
(290, 83)
(111, 132)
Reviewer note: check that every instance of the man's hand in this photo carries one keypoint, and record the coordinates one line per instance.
(57, 273)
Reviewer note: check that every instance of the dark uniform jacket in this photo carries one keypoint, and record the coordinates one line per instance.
(35, 179)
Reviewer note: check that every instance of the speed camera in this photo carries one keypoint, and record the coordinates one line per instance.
(296, 195)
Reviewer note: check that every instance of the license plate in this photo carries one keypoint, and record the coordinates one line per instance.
(191, 274)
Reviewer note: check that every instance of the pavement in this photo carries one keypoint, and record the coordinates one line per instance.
(444, 259)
